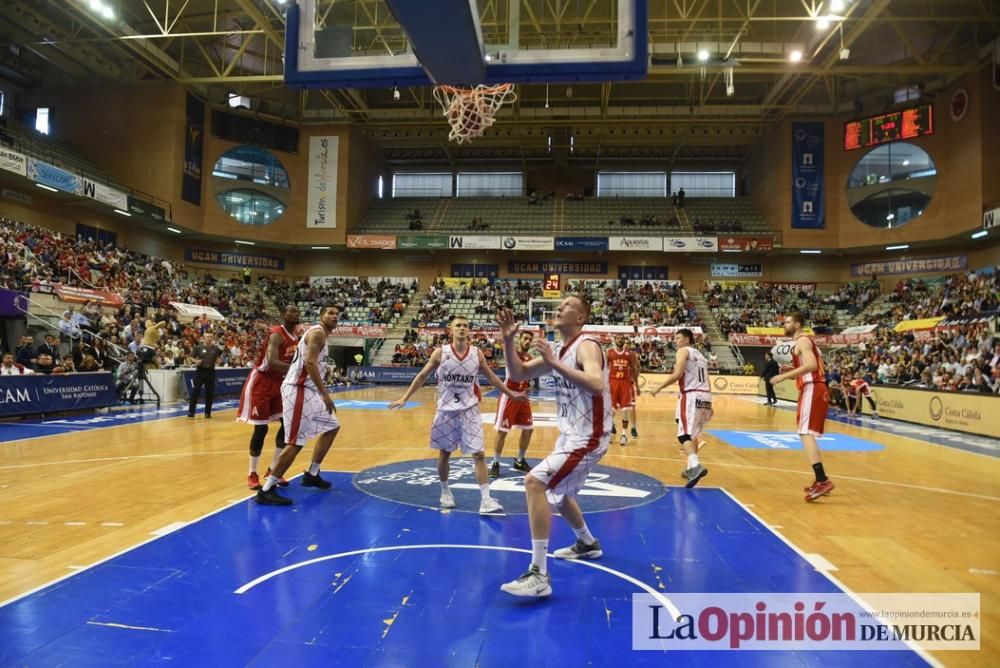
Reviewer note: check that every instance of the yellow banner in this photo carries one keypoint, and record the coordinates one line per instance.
(962, 411)
(735, 284)
(774, 331)
(720, 384)
(462, 282)
(924, 323)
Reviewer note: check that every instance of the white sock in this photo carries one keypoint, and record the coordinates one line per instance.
(269, 482)
(692, 461)
(484, 491)
(583, 533)
(496, 460)
(314, 468)
(274, 462)
(253, 463)
(539, 557)
(444, 486)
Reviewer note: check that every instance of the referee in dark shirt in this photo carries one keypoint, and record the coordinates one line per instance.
(770, 371)
(207, 354)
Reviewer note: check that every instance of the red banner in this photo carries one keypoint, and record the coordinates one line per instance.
(820, 339)
(364, 331)
(382, 241)
(746, 244)
(82, 295)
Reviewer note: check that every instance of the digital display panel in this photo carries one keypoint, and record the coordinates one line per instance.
(896, 125)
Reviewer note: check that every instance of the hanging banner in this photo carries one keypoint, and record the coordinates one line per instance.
(807, 176)
(104, 194)
(582, 243)
(234, 259)
(922, 323)
(13, 304)
(53, 177)
(528, 243)
(635, 243)
(194, 145)
(767, 340)
(691, 244)
(143, 209)
(383, 241)
(991, 218)
(69, 293)
(792, 287)
(321, 203)
(410, 241)
(720, 270)
(665, 332)
(746, 244)
(921, 266)
(474, 243)
(12, 161)
(556, 267)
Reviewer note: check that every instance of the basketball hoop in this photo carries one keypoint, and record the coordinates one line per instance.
(470, 111)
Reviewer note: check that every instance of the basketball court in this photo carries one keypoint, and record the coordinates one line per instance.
(174, 562)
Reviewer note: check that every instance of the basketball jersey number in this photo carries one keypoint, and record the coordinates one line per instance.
(701, 375)
(458, 397)
(563, 411)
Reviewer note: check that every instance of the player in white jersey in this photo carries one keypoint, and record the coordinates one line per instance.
(583, 401)
(694, 405)
(307, 410)
(457, 423)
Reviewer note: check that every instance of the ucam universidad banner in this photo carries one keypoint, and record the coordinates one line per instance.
(807, 176)
(40, 393)
(321, 202)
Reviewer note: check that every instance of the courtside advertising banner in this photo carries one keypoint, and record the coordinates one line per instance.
(321, 197)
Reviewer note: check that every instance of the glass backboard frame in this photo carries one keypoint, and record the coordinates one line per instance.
(628, 62)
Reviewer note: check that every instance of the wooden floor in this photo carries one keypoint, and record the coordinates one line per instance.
(914, 517)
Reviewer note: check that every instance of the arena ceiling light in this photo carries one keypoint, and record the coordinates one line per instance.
(822, 22)
(795, 56)
(99, 7)
(174, 230)
(320, 247)
(836, 5)
(45, 187)
(240, 242)
(123, 213)
(899, 247)
(980, 234)
(810, 251)
(703, 55)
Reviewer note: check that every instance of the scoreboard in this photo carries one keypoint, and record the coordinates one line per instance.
(896, 125)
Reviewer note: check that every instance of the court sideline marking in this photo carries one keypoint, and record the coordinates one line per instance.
(921, 652)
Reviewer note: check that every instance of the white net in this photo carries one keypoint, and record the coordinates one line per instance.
(470, 111)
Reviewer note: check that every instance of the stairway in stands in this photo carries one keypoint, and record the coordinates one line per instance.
(720, 344)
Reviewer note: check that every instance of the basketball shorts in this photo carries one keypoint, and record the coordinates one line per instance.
(694, 410)
(305, 415)
(565, 471)
(462, 429)
(814, 400)
(512, 414)
(622, 394)
(260, 399)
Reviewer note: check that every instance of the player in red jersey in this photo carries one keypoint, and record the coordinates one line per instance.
(814, 399)
(260, 399)
(858, 389)
(512, 414)
(624, 384)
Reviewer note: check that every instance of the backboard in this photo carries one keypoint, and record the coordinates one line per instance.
(376, 43)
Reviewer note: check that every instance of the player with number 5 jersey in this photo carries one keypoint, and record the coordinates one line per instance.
(457, 424)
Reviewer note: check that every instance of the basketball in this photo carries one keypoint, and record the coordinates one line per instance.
(370, 334)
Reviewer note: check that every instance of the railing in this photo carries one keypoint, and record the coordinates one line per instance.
(28, 141)
(23, 303)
